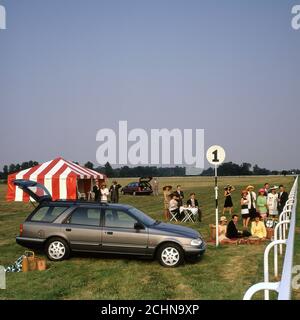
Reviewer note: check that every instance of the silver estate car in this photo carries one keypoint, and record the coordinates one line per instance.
(64, 226)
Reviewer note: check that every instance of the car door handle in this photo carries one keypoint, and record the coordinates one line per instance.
(109, 233)
(68, 229)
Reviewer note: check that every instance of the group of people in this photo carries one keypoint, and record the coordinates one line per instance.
(174, 203)
(258, 209)
(102, 193)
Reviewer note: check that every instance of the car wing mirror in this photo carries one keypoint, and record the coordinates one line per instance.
(138, 226)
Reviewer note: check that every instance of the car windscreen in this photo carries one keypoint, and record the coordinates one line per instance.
(47, 213)
(142, 217)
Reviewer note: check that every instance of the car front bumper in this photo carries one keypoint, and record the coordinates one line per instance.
(194, 250)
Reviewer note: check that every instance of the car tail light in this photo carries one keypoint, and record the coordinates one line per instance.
(21, 229)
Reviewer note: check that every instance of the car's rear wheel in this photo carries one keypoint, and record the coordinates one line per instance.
(57, 249)
(170, 255)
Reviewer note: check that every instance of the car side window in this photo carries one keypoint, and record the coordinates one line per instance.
(47, 214)
(118, 219)
(85, 216)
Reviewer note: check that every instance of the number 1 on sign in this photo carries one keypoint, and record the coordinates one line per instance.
(215, 153)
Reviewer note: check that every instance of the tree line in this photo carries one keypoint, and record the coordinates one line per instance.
(225, 169)
(245, 169)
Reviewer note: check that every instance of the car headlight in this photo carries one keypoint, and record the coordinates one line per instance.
(196, 242)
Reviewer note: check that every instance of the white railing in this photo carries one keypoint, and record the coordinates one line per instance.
(287, 222)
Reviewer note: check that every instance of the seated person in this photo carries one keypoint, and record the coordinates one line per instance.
(173, 205)
(222, 229)
(233, 232)
(193, 203)
(258, 228)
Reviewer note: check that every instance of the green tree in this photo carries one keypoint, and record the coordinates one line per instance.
(12, 168)
(109, 171)
(89, 165)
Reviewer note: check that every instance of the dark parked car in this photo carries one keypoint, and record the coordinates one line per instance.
(60, 227)
(141, 187)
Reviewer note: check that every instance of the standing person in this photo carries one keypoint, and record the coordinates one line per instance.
(252, 201)
(167, 193)
(96, 190)
(180, 195)
(282, 198)
(193, 203)
(272, 201)
(228, 205)
(245, 209)
(262, 206)
(114, 192)
(104, 193)
(155, 187)
(266, 188)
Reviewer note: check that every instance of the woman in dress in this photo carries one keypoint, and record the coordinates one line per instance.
(223, 230)
(258, 228)
(244, 209)
(167, 193)
(228, 205)
(104, 193)
(261, 203)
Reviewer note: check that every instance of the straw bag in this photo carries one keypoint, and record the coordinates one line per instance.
(29, 262)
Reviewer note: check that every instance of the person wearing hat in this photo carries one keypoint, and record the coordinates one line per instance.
(222, 229)
(245, 209)
(272, 201)
(251, 201)
(114, 192)
(262, 207)
(228, 205)
(258, 228)
(167, 193)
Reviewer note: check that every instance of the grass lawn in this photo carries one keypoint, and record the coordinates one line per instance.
(223, 273)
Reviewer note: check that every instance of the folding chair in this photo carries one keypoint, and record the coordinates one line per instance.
(173, 215)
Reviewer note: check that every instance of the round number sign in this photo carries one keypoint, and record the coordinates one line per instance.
(215, 155)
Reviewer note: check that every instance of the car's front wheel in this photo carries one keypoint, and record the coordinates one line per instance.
(170, 255)
(57, 249)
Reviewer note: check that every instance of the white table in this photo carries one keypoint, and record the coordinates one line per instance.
(190, 213)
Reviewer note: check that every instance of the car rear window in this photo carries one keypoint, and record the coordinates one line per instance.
(47, 214)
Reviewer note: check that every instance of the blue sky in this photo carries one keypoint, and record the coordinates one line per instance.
(69, 68)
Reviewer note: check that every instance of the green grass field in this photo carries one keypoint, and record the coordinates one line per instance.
(223, 273)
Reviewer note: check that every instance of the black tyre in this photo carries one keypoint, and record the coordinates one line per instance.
(170, 255)
(57, 249)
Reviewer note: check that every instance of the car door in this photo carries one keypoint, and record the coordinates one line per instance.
(119, 233)
(83, 230)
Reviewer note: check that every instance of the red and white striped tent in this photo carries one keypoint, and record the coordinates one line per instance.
(64, 179)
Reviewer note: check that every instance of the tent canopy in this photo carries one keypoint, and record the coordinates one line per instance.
(61, 177)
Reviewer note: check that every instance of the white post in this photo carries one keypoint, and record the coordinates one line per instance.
(217, 207)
